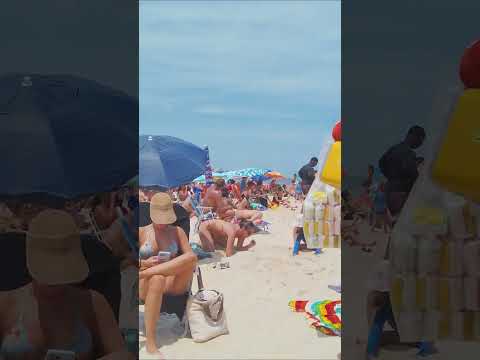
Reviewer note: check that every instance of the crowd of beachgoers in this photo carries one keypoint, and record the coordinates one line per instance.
(227, 213)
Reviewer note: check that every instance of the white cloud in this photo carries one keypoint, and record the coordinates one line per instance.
(236, 111)
(270, 48)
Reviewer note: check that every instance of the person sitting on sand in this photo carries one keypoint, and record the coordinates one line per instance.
(182, 193)
(229, 212)
(213, 195)
(224, 233)
(244, 203)
(171, 274)
(187, 205)
(104, 210)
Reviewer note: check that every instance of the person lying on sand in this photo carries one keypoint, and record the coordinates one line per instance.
(224, 234)
(228, 212)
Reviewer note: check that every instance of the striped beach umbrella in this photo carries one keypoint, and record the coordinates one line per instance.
(274, 175)
(250, 172)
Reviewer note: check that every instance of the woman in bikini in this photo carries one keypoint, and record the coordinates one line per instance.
(170, 273)
(52, 312)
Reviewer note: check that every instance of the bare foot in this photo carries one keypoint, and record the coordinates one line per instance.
(152, 349)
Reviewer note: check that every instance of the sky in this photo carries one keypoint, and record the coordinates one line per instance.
(399, 76)
(258, 82)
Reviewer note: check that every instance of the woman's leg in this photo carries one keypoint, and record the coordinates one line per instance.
(152, 290)
(250, 215)
(180, 283)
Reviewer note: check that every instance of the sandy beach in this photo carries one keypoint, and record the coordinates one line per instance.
(257, 288)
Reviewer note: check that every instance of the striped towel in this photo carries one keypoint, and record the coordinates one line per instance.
(325, 316)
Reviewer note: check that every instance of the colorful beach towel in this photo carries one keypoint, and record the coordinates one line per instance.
(325, 316)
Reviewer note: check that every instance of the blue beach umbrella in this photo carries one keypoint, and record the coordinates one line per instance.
(64, 136)
(167, 161)
(250, 172)
(254, 173)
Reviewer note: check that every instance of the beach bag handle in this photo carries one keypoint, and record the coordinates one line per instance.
(200, 279)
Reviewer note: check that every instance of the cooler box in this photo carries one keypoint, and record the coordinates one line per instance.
(332, 169)
(456, 168)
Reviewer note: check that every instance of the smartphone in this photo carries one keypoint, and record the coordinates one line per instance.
(53, 354)
(164, 256)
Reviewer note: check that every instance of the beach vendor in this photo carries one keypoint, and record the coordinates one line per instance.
(399, 165)
(223, 233)
(307, 174)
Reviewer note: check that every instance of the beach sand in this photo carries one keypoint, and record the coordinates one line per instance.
(257, 288)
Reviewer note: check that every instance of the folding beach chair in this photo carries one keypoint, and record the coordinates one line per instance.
(202, 213)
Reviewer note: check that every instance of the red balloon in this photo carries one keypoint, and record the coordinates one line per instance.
(470, 66)
(337, 131)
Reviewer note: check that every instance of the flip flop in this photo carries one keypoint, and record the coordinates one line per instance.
(221, 266)
(336, 288)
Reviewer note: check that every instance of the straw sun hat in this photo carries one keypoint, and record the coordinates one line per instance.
(161, 209)
(54, 249)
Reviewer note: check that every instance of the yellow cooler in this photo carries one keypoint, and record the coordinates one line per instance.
(332, 170)
(456, 166)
